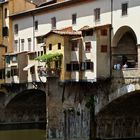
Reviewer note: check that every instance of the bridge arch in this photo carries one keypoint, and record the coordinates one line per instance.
(120, 117)
(124, 47)
(27, 106)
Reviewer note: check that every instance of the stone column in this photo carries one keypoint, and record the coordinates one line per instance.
(138, 47)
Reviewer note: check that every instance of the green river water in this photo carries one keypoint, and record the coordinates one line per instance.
(34, 134)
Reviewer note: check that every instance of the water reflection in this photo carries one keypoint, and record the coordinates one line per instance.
(34, 134)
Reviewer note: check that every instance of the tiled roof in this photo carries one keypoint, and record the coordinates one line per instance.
(66, 32)
(37, 2)
(86, 28)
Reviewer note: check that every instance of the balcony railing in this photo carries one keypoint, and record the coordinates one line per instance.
(50, 72)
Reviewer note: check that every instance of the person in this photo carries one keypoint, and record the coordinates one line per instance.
(125, 65)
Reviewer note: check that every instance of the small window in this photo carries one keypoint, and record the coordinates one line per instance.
(59, 46)
(68, 67)
(5, 12)
(14, 71)
(16, 28)
(53, 22)
(75, 66)
(32, 56)
(50, 46)
(44, 49)
(104, 32)
(124, 9)
(103, 48)
(74, 46)
(87, 46)
(74, 18)
(2, 73)
(39, 40)
(97, 14)
(88, 33)
(5, 31)
(32, 70)
(15, 45)
(36, 25)
(14, 58)
(22, 44)
(29, 44)
(89, 65)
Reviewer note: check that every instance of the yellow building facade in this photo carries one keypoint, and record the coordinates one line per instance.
(60, 42)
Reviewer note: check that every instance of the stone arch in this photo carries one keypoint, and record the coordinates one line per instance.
(124, 47)
(27, 106)
(123, 114)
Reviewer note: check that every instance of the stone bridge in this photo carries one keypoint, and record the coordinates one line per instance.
(116, 103)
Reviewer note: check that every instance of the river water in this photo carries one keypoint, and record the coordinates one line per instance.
(31, 134)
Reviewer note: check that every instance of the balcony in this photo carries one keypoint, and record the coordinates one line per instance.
(48, 72)
(128, 75)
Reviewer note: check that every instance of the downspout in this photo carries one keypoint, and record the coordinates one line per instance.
(33, 31)
(110, 30)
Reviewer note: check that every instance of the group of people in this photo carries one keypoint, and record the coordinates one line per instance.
(122, 65)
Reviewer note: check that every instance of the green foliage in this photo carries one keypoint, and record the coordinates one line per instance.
(90, 102)
(48, 58)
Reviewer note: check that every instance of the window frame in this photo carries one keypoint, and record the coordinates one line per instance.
(74, 19)
(124, 8)
(97, 14)
(53, 22)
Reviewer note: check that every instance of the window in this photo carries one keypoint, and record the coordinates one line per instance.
(44, 49)
(87, 33)
(36, 25)
(74, 46)
(74, 17)
(50, 46)
(103, 48)
(22, 44)
(68, 67)
(5, 12)
(88, 65)
(32, 70)
(87, 46)
(103, 32)
(5, 31)
(73, 66)
(124, 9)
(2, 73)
(29, 44)
(40, 40)
(14, 58)
(15, 45)
(16, 28)
(32, 56)
(53, 22)
(14, 71)
(59, 46)
(97, 14)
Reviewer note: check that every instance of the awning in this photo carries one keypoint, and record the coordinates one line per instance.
(28, 67)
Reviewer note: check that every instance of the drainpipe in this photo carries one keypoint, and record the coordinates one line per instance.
(110, 32)
(33, 31)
